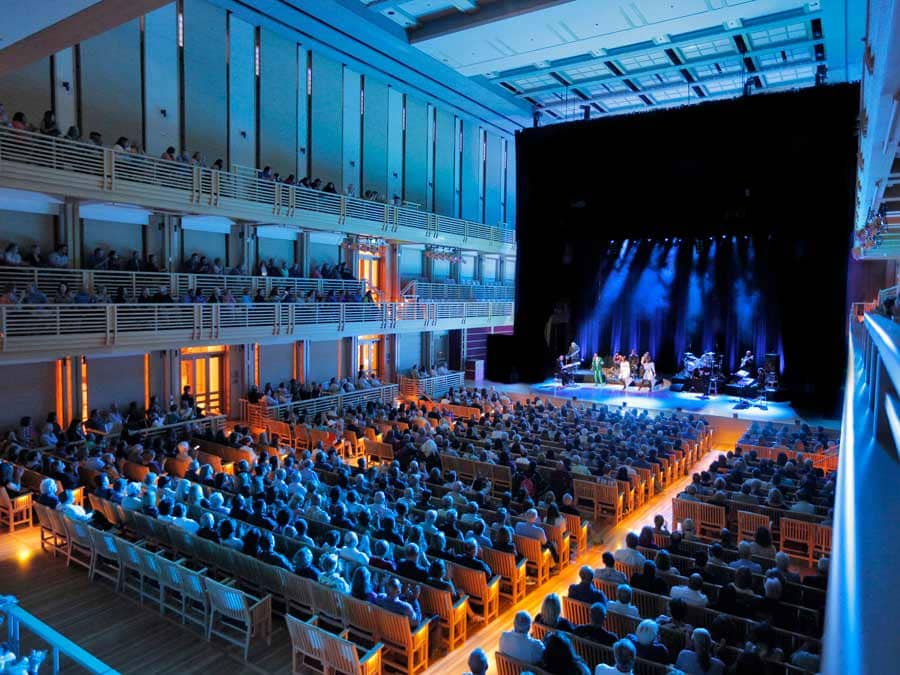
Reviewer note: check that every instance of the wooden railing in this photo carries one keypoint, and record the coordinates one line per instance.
(18, 619)
(38, 328)
(421, 290)
(258, 415)
(433, 387)
(48, 280)
(37, 162)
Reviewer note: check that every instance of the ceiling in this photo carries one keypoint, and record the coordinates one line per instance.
(39, 15)
(561, 57)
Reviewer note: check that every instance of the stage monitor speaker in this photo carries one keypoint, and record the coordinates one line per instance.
(500, 357)
(771, 363)
(679, 386)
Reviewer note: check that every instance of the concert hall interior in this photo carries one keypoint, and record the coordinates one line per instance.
(440, 337)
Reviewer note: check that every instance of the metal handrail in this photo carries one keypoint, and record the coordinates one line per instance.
(431, 291)
(337, 402)
(431, 386)
(17, 618)
(91, 167)
(36, 327)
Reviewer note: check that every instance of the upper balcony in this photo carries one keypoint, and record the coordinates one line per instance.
(35, 162)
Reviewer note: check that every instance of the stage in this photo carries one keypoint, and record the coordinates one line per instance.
(718, 405)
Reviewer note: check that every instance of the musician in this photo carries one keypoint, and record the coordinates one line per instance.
(625, 373)
(747, 362)
(574, 352)
(617, 359)
(648, 369)
(564, 375)
(597, 367)
(635, 361)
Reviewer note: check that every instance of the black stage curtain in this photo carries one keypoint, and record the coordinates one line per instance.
(755, 196)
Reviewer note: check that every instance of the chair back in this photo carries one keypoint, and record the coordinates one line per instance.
(228, 601)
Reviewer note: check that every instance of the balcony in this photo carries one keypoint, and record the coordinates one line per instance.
(34, 162)
(422, 290)
(52, 331)
(432, 387)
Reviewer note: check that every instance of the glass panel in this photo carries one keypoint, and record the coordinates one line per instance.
(187, 366)
(200, 376)
(215, 371)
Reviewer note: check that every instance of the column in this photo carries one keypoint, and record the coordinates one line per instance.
(301, 360)
(171, 376)
(427, 265)
(478, 272)
(391, 276)
(79, 387)
(427, 348)
(64, 84)
(391, 359)
(301, 252)
(69, 231)
(65, 397)
(242, 247)
(171, 244)
(501, 269)
(349, 364)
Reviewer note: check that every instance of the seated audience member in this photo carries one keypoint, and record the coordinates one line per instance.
(692, 593)
(609, 572)
(303, 564)
(268, 554)
(584, 590)
(560, 657)
(406, 604)
(518, 644)
(595, 630)
(820, 578)
(477, 661)
(180, 520)
(761, 546)
(625, 655)
(699, 659)
(745, 553)
(622, 603)
(783, 567)
(331, 575)
(646, 580)
(630, 555)
(551, 614)
(47, 497)
(646, 640)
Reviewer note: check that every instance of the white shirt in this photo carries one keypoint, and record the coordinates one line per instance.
(690, 596)
(619, 608)
(630, 556)
(604, 668)
(186, 524)
(354, 555)
(521, 647)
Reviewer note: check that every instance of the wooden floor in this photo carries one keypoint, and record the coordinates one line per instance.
(135, 639)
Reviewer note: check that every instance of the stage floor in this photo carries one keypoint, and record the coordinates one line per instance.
(720, 405)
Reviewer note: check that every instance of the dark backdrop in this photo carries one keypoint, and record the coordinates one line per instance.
(772, 173)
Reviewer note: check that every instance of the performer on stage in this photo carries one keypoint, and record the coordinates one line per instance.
(574, 352)
(648, 369)
(564, 375)
(634, 361)
(747, 362)
(597, 367)
(625, 373)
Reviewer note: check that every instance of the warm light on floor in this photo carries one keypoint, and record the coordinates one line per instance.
(24, 554)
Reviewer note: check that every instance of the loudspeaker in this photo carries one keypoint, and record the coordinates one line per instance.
(677, 387)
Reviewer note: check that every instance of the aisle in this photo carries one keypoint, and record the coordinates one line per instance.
(613, 537)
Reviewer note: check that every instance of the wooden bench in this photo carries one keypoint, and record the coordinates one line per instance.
(483, 593)
(513, 585)
(537, 558)
(316, 649)
(383, 452)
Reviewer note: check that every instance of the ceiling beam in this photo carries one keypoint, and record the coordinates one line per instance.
(480, 16)
(98, 18)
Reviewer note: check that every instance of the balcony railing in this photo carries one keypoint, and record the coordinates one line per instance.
(432, 387)
(33, 161)
(858, 637)
(48, 280)
(88, 328)
(422, 290)
(260, 415)
(17, 620)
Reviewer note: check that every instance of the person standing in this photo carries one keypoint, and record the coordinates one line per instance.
(597, 367)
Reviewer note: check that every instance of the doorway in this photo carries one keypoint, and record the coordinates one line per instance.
(203, 368)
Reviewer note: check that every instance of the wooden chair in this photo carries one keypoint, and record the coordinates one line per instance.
(798, 538)
(822, 541)
(610, 502)
(360, 620)
(561, 540)
(482, 593)
(15, 511)
(342, 656)
(152, 580)
(405, 648)
(578, 529)
(513, 584)
(576, 611)
(105, 555)
(297, 594)
(131, 568)
(50, 539)
(507, 665)
(328, 605)
(194, 598)
(451, 615)
(749, 522)
(308, 652)
(79, 547)
(537, 557)
(237, 617)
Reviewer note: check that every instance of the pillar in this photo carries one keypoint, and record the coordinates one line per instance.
(501, 269)
(391, 270)
(64, 86)
(391, 359)
(478, 272)
(427, 265)
(171, 376)
(170, 260)
(301, 360)
(349, 363)
(427, 348)
(241, 248)
(68, 231)
(79, 387)
(301, 252)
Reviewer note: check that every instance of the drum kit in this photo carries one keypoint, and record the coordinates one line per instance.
(704, 371)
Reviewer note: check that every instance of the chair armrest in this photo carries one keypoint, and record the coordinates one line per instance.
(265, 602)
(344, 634)
(423, 626)
(313, 620)
(494, 583)
(520, 565)
(373, 652)
(463, 601)
(22, 500)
